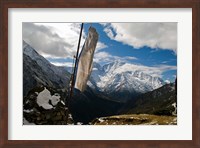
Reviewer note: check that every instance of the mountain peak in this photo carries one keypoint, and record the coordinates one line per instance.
(119, 76)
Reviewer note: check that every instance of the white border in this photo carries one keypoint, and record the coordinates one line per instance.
(182, 131)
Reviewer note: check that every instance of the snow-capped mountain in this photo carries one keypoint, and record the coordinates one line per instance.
(122, 80)
(38, 71)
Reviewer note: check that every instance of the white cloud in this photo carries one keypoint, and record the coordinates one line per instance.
(65, 64)
(100, 46)
(50, 41)
(55, 40)
(106, 57)
(109, 32)
(156, 70)
(137, 35)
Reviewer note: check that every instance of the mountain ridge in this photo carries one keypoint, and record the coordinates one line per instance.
(123, 79)
(42, 71)
(161, 101)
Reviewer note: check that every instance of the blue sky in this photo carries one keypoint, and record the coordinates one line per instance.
(151, 45)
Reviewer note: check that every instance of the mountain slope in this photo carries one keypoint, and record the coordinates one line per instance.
(88, 105)
(38, 71)
(161, 101)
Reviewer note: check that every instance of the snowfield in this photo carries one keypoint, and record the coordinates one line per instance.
(118, 76)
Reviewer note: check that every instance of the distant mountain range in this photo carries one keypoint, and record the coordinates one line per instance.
(123, 80)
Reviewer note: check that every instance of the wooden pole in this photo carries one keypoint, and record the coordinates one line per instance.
(76, 62)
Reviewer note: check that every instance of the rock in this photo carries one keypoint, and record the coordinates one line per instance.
(48, 116)
(33, 113)
(62, 113)
(55, 118)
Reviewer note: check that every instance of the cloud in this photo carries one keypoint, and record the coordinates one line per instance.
(46, 41)
(137, 35)
(100, 46)
(66, 64)
(55, 40)
(106, 57)
(156, 70)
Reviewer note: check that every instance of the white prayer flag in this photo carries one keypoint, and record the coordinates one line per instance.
(86, 60)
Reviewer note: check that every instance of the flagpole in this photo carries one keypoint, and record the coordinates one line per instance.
(76, 62)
